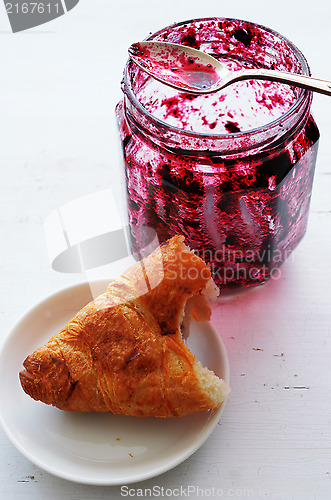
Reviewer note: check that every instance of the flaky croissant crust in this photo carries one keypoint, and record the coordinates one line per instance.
(124, 352)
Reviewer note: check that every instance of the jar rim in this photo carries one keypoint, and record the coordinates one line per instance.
(303, 97)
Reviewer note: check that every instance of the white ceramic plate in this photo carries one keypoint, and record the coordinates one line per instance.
(99, 449)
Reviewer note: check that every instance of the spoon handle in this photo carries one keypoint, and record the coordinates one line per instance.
(306, 82)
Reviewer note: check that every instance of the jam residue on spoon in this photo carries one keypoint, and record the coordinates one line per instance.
(172, 66)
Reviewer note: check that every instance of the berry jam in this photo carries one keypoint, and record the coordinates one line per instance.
(166, 64)
(231, 171)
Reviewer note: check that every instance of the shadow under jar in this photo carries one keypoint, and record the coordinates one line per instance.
(231, 171)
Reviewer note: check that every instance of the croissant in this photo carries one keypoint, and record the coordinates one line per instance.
(124, 352)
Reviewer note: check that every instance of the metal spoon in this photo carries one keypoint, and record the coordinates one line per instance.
(192, 70)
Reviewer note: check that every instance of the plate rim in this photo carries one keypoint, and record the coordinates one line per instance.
(62, 474)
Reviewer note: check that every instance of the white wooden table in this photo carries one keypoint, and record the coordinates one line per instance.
(58, 88)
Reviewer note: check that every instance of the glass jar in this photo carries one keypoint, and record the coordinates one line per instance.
(231, 171)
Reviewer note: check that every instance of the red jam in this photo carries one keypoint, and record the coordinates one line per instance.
(231, 171)
(167, 64)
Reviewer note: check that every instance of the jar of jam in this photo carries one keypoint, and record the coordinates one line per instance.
(231, 171)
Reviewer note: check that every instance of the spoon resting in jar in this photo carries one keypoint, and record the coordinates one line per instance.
(194, 71)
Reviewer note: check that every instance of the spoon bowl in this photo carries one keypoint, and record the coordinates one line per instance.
(194, 71)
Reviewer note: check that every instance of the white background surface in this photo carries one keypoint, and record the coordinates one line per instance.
(59, 85)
